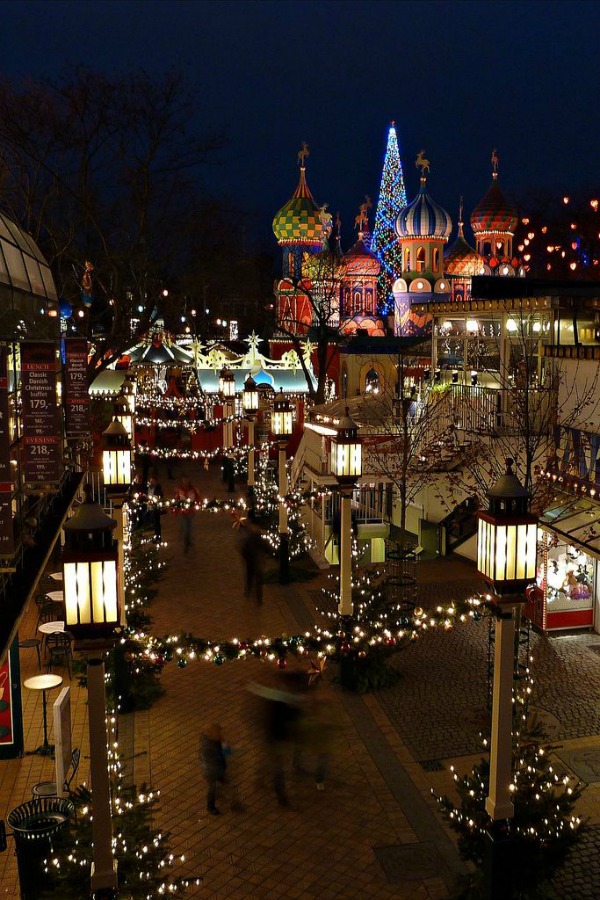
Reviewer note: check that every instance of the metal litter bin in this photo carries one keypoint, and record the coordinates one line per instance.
(34, 826)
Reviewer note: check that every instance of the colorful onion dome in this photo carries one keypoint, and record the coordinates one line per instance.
(359, 261)
(461, 258)
(494, 213)
(423, 218)
(301, 221)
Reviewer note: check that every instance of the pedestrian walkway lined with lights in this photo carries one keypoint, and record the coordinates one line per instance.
(375, 830)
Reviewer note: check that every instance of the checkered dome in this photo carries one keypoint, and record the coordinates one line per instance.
(300, 220)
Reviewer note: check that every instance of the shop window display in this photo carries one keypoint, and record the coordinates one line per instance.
(568, 576)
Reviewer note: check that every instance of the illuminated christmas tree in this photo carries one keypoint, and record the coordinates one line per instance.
(392, 198)
(544, 826)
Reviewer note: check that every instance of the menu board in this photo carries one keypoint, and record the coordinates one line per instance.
(41, 438)
(7, 540)
(77, 400)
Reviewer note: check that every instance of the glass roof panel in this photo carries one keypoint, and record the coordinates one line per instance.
(17, 236)
(22, 263)
(16, 266)
(35, 276)
(48, 281)
(4, 276)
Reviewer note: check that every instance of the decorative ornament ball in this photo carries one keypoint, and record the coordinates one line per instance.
(169, 654)
(218, 660)
(282, 662)
(182, 663)
(345, 647)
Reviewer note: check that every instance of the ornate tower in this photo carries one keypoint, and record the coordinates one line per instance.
(301, 228)
(423, 228)
(493, 221)
(359, 270)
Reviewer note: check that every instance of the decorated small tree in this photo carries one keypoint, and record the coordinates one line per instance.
(544, 826)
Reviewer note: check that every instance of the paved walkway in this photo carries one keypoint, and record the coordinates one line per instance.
(374, 831)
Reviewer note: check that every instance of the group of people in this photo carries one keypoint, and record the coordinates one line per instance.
(298, 727)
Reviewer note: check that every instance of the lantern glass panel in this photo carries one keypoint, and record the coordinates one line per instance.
(117, 467)
(346, 459)
(282, 423)
(250, 401)
(507, 552)
(90, 590)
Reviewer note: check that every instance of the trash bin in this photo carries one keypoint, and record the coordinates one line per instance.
(34, 826)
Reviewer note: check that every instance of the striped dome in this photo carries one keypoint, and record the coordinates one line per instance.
(461, 259)
(300, 221)
(360, 261)
(494, 212)
(423, 218)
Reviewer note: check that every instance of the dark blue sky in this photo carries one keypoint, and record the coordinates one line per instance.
(459, 78)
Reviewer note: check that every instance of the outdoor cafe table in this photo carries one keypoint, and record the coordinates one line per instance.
(43, 683)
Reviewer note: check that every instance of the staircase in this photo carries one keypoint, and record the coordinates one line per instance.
(458, 526)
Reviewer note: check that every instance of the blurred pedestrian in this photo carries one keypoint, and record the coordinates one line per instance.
(186, 495)
(252, 548)
(282, 717)
(213, 757)
(155, 497)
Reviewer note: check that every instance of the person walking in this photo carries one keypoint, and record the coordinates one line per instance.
(187, 495)
(252, 548)
(214, 764)
(155, 496)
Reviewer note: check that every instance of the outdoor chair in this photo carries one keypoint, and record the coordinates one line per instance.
(58, 649)
(29, 643)
(48, 788)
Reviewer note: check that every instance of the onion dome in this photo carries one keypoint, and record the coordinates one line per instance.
(424, 218)
(461, 258)
(360, 261)
(300, 221)
(494, 213)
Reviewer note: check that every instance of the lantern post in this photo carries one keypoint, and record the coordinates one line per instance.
(92, 615)
(282, 425)
(227, 391)
(117, 467)
(124, 414)
(250, 401)
(346, 465)
(507, 560)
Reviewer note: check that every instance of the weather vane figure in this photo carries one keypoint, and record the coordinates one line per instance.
(495, 160)
(422, 163)
(302, 154)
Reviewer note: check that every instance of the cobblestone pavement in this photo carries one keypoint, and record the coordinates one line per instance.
(441, 703)
(375, 831)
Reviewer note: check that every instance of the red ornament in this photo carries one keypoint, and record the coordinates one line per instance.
(282, 662)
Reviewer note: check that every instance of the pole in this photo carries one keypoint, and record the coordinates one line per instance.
(499, 805)
(120, 514)
(104, 868)
(251, 453)
(345, 607)
(284, 555)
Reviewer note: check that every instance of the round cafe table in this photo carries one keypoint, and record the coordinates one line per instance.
(43, 683)
(56, 576)
(52, 627)
(56, 596)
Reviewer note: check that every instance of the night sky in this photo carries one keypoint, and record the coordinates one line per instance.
(458, 78)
